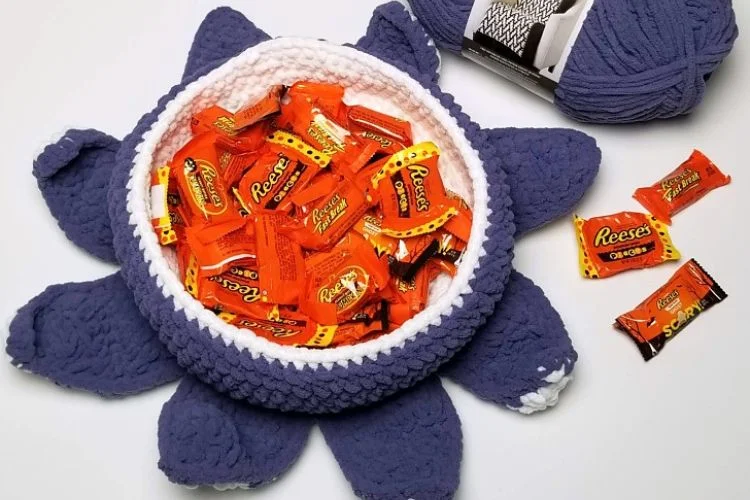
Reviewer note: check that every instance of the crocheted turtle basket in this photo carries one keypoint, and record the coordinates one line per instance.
(244, 407)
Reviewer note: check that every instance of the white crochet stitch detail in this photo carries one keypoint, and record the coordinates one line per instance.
(368, 81)
(547, 396)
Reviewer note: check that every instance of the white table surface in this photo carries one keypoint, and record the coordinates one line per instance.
(674, 428)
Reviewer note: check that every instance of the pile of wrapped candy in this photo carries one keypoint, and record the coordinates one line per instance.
(309, 221)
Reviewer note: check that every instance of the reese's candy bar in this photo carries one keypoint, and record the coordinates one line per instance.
(282, 326)
(324, 183)
(318, 125)
(412, 196)
(281, 264)
(690, 182)
(389, 133)
(327, 96)
(291, 328)
(331, 217)
(615, 243)
(235, 170)
(191, 275)
(213, 119)
(690, 292)
(160, 209)
(249, 140)
(184, 257)
(370, 227)
(340, 282)
(199, 180)
(236, 291)
(287, 166)
(216, 252)
(255, 112)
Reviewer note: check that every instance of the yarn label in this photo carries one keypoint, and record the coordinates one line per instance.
(525, 41)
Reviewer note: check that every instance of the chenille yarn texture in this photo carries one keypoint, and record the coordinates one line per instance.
(540, 173)
(634, 60)
(127, 333)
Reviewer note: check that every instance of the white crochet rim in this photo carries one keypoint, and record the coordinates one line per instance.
(248, 76)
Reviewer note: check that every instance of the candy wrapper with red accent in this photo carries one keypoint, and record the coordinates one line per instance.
(690, 182)
(690, 292)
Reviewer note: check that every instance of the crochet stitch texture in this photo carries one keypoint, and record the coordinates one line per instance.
(122, 334)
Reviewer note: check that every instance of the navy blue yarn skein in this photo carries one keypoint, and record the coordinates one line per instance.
(634, 60)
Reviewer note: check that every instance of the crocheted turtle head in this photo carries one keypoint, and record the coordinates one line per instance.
(139, 328)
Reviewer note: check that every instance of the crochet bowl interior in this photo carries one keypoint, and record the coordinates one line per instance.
(293, 378)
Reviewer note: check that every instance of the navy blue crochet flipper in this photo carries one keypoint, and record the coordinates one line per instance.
(244, 406)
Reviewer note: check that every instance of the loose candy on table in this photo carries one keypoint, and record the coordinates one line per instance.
(687, 184)
(616, 243)
(690, 292)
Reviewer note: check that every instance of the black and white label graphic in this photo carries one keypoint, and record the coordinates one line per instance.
(527, 41)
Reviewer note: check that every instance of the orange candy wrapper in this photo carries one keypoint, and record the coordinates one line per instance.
(310, 222)
(237, 289)
(215, 255)
(412, 195)
(391, 134)
(204, 194)
(460, 225)
(370, 227)
(214, 119)
(690, 182)
(266, 106)
(319, 121)
(282, 327)
(281, 264)
(615, 243)
(327, 96)
(298, 331)
(449, 253)
(331, 217)
(690, 292)
(218, 120)
(340, 282)
(412, 294)
(249, 140)
(411, 255)
(286, 167)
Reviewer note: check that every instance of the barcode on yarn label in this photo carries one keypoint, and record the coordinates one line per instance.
(525, 41)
